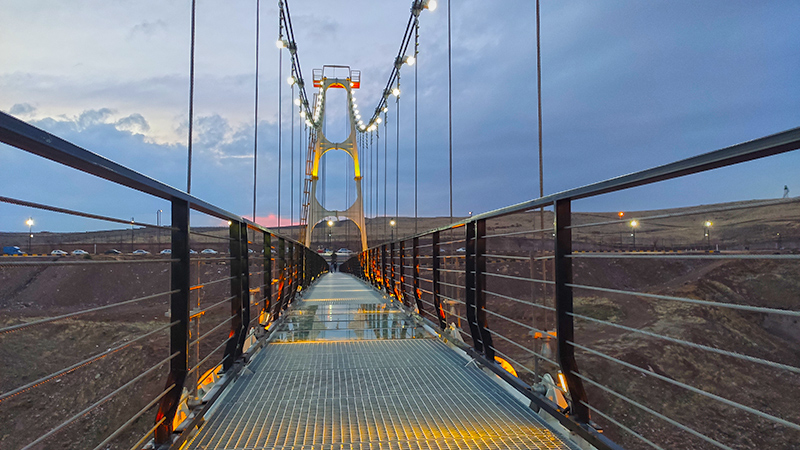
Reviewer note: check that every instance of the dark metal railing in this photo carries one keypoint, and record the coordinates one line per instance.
(510, 295)
(243, 294)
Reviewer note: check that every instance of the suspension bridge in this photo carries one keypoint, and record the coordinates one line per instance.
(537, 325)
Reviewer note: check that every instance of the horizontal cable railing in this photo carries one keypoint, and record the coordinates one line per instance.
(183, 302)
(546, 300)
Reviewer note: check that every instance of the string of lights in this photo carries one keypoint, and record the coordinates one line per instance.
(312, 113)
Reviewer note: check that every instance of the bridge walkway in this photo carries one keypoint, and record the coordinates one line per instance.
(347, 370)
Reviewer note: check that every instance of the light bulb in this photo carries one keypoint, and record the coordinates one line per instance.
(379, 120)
(290, 80)
(297, 102)
(396, 92)
(280, 44)
(410, 60)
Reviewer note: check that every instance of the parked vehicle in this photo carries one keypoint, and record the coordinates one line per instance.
(59, 253)
(113, 251)
(344, 251)
(166, 251)
(209, 251)
(461, 250)
(191, 252)
(12, 250)
(79, 252)
(141, 252)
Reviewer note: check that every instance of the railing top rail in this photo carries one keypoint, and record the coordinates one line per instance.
(774, 144)
(27, 137)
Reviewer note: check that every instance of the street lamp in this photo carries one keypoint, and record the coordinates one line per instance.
(29, 223)
(392, 223)
(634, 224)
(330, 229)
(132, 221)
(158, 223)
(707, 232)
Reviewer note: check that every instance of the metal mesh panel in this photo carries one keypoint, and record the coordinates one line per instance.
(367, 394)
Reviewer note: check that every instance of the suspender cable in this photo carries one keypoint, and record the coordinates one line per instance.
(191, 104)
(541, 169)
(377, 178)
(450, 103)
(397, 157)
(291, 169)
(280, 91)
(416, 67)
(539, 95)
(255, 113)
(385, 169)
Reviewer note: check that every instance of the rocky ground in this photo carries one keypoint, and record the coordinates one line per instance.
(32, 293)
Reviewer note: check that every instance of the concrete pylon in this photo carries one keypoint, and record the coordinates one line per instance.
(355, 212)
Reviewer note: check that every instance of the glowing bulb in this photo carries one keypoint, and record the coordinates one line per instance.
(280, 44)
(379, 120)
(330, 223)
(432, 5)
(302, 113)
(358, 116)
(362, 127)
(410, 60)
(290, 80)
(396, 92)
(634, 223)
(385, 109)
(355, 105)
(353, 99)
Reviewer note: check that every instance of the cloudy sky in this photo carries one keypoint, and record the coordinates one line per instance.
(627, 85)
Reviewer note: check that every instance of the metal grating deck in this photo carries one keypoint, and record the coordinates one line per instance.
(394, 393)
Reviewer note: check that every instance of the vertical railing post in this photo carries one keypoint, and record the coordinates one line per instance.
(233, 347)
(383, 268)
(470, 286)
(415, 269)
(179, 312)
(302, 267)
(281, 274)
(437, 301)
(267, 258)
(292, 271)
(376, 279)
(401, 270)
(370, 267)
(565, 331)
(480, 288)
(393, 286)
(245, 271)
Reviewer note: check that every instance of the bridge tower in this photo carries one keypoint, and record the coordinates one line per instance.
(325, 79)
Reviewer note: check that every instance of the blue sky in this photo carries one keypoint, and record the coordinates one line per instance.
(627, 85)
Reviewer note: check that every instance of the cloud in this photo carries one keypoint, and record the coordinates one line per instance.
(22, 109)
(134, 123)
(148, 29)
